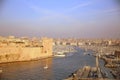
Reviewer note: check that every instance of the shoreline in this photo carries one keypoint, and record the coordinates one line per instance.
(28, 60)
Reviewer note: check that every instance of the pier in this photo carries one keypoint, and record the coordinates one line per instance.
(87, 73)
(90, 73)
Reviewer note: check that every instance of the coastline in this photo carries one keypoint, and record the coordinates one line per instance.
(37, 59)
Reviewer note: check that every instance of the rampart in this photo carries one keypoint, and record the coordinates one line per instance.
(19, 53)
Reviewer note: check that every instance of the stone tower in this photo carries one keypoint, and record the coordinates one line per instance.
(47, 45)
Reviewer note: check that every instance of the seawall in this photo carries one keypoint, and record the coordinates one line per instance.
(14, 54)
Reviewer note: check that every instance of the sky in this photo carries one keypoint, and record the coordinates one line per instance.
(60, 18)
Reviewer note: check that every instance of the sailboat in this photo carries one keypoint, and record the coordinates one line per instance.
(46, 66)
(1, 71)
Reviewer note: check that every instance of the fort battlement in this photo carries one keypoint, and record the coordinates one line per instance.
(11, 51)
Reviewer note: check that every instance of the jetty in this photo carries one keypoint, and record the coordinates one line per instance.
(90, 73)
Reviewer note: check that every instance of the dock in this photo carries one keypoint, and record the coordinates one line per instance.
(87, 73)
(90, 73)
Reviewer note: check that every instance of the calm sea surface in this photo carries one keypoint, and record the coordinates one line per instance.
(58, 68)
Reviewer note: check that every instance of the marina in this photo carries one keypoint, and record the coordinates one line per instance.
(52, 68)
(60, 40)
(63, 51)
(88, 72)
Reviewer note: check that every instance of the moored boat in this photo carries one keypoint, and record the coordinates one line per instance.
(60, 54)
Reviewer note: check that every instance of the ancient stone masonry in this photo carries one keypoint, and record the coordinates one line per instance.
(13, 49)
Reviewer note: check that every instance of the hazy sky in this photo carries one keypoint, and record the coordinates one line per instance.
(60, 18)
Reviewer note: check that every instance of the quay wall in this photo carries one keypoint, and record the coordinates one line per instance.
(12, 54)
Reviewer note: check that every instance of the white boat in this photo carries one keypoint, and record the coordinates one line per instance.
(1, 71)
(60, 54)
(46, 64)
(46, 67)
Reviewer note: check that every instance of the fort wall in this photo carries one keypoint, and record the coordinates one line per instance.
(19, 53)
